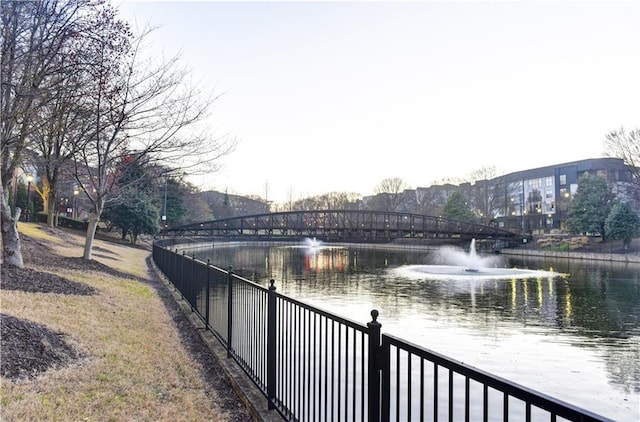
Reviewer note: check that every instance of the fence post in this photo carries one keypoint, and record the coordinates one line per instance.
(229, 309)
(373, 390)
(207, 294)
(182, 274)
(192, 284)
(271, 346)
(174, 269)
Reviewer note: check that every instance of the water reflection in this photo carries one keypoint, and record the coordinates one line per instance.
(574, 336)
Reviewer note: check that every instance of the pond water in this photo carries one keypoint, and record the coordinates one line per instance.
(569, 329)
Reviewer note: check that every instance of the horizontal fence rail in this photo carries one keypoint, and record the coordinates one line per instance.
(312, 365)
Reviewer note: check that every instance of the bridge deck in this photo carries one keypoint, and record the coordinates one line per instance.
(343, 225)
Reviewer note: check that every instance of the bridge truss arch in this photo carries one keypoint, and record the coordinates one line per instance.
(341, 225)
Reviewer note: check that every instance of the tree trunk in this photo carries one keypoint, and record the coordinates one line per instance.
(91, 234)
(11, 253)
(50, 208)
(49, 199)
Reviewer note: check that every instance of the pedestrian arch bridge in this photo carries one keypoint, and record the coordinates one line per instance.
(341, 225)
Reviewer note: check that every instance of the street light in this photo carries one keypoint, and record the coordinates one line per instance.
(29, 180)
(75, 195)
(164, 213)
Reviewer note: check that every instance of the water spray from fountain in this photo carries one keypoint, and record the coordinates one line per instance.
(470, 261)
(454, 263)
(312, 242)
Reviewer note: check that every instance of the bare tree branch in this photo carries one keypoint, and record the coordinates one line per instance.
(143, 110)
(626, 146)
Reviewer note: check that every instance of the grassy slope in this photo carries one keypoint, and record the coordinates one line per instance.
(135, 366)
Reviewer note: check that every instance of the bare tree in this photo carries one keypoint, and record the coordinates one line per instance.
(141, 109)
(65, 125)
(327, 201)
(626, 146)
(431, 200)
(487, 193)
(389, 192)
(34, 34)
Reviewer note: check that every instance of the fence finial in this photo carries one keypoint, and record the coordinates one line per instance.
(374, 315)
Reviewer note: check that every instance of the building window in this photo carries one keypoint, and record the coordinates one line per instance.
(548, 181)
(563, 179)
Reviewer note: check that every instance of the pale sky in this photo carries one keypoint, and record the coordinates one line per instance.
(337, 96)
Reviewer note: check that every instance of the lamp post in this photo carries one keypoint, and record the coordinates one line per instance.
(164, 212)
(75, 195)
(29, 180)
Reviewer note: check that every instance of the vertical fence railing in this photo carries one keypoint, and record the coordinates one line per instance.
(271, 346)
(419, 384)
(312, 365)
(248, 327)
(320, 364)
(229, 312)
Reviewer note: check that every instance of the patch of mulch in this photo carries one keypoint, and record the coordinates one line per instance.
(33, 281)
(29, 349)
(83, 265)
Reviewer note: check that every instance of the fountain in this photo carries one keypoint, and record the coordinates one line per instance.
(312, 243)
(471, 261)
(455, 263)
(311, 246)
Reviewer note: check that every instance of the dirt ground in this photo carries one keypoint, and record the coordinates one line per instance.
(28, 349)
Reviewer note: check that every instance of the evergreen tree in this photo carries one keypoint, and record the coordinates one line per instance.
(137, 215)
(457, 208)
(176, 209)
(590, 206)
(622, 223)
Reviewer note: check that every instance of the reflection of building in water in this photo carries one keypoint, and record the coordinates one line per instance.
(297, 263)
(546, 299)
(327, 260)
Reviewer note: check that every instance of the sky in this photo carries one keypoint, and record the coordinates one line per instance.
(336, 96)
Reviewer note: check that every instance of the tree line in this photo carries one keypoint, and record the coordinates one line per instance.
(84, 99)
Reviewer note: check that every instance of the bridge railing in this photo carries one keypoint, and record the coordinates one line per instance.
(312, 365)
(377, 225)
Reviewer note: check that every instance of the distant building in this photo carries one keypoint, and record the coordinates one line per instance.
(527, 200)
(225, 205)
(431, 200)
(538, 199)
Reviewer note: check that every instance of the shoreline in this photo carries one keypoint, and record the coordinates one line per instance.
(579, 256)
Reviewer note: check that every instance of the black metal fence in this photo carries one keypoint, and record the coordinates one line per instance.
(312, 365)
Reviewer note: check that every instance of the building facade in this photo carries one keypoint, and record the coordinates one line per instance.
(529, 200)
(538, 199)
